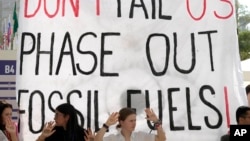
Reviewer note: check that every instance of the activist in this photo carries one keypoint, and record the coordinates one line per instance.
(248, 94)
(126, 119)
(65, 127)
(7, 126)
(242, 118)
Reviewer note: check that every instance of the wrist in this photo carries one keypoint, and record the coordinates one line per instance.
(157, 124)
(105, 126)
(41, 138)
(157, 121)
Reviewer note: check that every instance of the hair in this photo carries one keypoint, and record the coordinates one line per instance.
(247, 89)
(72, 125)
(241, 112)
(123, 114)
(3, 106)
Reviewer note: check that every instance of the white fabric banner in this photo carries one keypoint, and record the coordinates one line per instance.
(178, 57)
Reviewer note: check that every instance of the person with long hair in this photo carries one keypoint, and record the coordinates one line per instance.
(126, 119)
(65, 127)
(7, 126)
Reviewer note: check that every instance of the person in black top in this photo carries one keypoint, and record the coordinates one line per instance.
(65, 127)
(242, 118)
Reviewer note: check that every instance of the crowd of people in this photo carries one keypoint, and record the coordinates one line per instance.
(65, 126)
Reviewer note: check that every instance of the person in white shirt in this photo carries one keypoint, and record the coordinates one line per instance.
(126, 119)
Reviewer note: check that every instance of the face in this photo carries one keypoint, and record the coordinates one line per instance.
(7, 114)
(61, 119)
(129, 123)
(245, 120)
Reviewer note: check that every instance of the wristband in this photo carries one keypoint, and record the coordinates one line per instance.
(105, 126)
(157, 124)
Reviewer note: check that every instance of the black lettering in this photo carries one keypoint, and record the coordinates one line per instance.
(97, 128)
(190, 124)
(63, 52)
(30, 117)
(119, 13)
(133, 5)
(209, 104)
(161, 16)
(210, 46)
(193, 60)
(172, 109)
(86, 52)
(105, 52)
(159, 73)
(39, 52)
(22, 51)
(50, 101)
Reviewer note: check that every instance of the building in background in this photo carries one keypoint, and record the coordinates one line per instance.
(6, 16)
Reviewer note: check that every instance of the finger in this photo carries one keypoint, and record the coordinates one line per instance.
(52, 132)
(147, 110)
(152, 111)
(86, 132)
(90, 131)
(8, 121)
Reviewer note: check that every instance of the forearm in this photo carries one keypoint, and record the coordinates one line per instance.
(161, 136)
(40, 138)
(14, 137)
(100, 134)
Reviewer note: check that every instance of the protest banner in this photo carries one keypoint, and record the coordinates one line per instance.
(179, 58)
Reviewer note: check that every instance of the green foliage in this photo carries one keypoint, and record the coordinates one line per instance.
(244, 44)
(243, 19)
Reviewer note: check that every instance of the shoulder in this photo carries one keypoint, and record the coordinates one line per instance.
(225, 137)
(80, 129)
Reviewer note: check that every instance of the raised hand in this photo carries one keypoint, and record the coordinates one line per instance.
(113, 118)
(89, 135)
(151, 115)
(10, 126)
(48, 129)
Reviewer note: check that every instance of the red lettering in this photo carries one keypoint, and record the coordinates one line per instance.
(230, 13)
(74, 5)
(226, 16)
(26, 9)
(57, 8)
(203, 12)
(98, 7)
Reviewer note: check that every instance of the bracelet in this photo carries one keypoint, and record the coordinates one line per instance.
(157, 124)
(105, 126)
